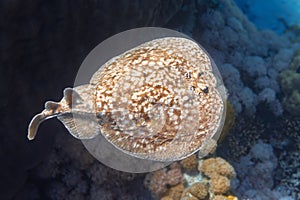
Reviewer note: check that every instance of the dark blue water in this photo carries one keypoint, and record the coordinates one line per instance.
(275, 15)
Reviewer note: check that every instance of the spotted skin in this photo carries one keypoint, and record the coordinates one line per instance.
(171, 77)
(156, 101)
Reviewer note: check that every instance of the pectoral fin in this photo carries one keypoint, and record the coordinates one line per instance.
(81, 125)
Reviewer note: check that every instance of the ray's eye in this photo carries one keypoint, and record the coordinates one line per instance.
(205, 90)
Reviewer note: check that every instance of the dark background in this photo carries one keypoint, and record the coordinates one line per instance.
(42, 44)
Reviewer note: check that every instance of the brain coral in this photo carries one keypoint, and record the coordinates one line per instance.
(217, 166)
(190, 163)
(159, 181)
(198, 190)
(219, 184)
(175, 192)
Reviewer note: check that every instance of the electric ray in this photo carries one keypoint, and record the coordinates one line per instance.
(160, 100)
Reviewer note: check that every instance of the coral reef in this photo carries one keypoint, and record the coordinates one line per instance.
(219, 184)
(197, 190)
(216, 166)
(219, 173)
(246, 70)
(296, 60)
(221, 197)
(175, 192)
(213, 178)
(243, 136)
(158, 181)
(256, 173)
(72, 173)
(189, 163)
(289, 81)
(282, 136)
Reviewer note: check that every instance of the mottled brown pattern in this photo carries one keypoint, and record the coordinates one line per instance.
(171, 77)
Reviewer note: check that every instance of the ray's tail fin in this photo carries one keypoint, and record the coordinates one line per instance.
(38, 119)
